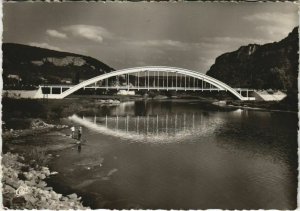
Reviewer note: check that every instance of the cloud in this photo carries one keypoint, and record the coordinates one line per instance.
(208, 43)
(276, 32)
(44, 45)
(274, 17)
(226, 39)
(94, 33)
(158, 43)
(55, 33)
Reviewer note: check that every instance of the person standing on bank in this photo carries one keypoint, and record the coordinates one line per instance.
(73, 131)
(79, 146)
(79, 133)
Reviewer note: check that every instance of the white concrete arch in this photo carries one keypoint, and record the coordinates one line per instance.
(220, 85)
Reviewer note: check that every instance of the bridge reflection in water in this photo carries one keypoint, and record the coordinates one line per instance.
(165, 128)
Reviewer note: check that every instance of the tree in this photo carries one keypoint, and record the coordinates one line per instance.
(76, 78)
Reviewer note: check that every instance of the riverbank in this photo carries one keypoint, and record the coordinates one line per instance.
(34, 132)
(274, 106)
(271, 106)
(18, 113)
(37, 126)
(26, 154)
(259, 109)
(24, 186)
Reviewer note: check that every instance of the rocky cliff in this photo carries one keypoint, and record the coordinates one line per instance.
(273, 65)
(33, 66)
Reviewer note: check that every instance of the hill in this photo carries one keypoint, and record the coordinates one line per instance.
(268, 66)
(25, 65)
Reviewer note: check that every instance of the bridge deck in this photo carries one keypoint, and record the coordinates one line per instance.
(145, 88)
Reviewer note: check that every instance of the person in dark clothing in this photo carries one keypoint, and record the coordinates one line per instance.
(79, 133)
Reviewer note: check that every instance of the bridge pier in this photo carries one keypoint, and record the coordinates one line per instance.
(184, 82)
(176, 81)
(127, 81)
(194, 84)
(167, 81)
(158, 80)
(138, 80)
(148, 80)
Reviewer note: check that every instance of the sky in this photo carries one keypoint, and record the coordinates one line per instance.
(184, 34)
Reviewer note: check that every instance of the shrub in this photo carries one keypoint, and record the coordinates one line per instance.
(37, 157)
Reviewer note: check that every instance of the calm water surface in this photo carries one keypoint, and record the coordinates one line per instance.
(183, 155)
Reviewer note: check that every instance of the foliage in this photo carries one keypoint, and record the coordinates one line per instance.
(37, 157)
(36, 66)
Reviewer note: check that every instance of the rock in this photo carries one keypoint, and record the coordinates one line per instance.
(8, 189)
(19, 201)
(32, 193)
(12, 183)
(48, 188)
(54, 195)
(272, 65)
(42, 176)
(28, 175)
(41, 184)
(72, 196)
(32, 199)
(53, 173)
(64, 198)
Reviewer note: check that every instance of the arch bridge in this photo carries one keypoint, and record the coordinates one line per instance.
(145, 78)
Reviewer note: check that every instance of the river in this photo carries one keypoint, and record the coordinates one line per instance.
(182, 155)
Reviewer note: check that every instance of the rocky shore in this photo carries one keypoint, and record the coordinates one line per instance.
(23, 177)
(24, 187)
